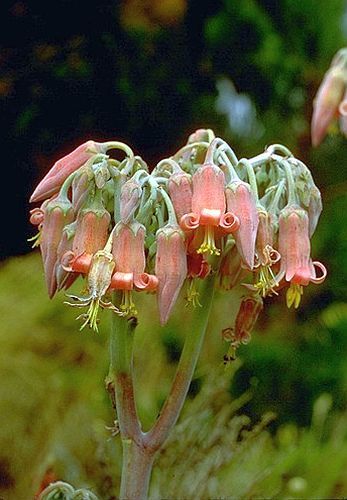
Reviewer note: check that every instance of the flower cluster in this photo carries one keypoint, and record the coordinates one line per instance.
(128, 229)
(330, 103)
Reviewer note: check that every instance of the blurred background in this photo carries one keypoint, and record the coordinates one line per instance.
(149, 73)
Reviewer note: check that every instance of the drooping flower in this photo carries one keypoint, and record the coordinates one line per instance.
(209, 208)
(170, 268)
(241, 202)
(297, 267)
(265, 255)
(57, 213)
(91, 235)
(62, 168)
(98, 283)
(130, 262)
(246, 318)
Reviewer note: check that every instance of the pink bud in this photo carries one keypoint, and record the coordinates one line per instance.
(129, 199)
(180, 190)
(80, 190)
(170, 268)
(91, 231)
(55, 218)
(326, 104)
(241, 203)
(53, 180)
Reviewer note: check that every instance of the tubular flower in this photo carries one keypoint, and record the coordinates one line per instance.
(265, 255)
(90, 236)
(241, 202)
(180, 190)
(170, 268)
(297, 267)
(246, 318)
(129, 256)
(52, 181)
(57, 213)
(99, 280)
(208, 208)
(326, 104)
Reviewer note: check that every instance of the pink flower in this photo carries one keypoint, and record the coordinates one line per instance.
(295, 248)
(91, 235)
(241, 202)
(326, 104)
(52, 181)
(209, 208)
(129, 255)
(170, 268)
(56, 215)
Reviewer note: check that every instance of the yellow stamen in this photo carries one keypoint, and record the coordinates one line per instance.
(91, 316)
(208, 245)
(36, 239)
(267, 282)
(293, 295)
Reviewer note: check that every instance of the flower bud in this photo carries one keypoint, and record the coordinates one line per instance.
(57, 214)
(180, 190)
(241, 203)
(52, 181)
(129, 199)
(170, 268)
(326, 103)
(80, 190)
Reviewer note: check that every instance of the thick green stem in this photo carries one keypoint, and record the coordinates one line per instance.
(139, 448)
(136, 471)
(121, 376)
(169, 414)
